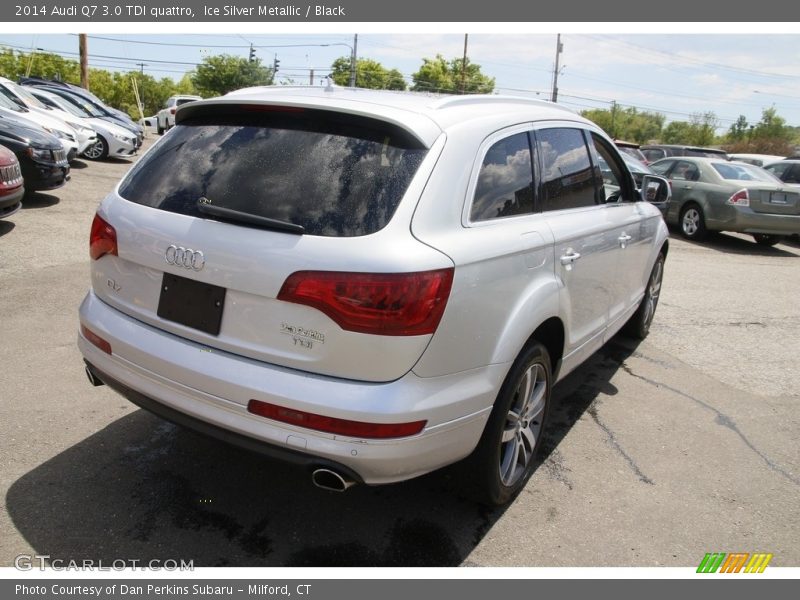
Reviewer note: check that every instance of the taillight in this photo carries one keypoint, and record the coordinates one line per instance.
(172, 110)
(740, 198)
(376, 303)
(95, 339)
(102, 239)
(360, 429)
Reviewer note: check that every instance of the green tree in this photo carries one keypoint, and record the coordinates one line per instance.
(370, 74)
(738, 131)
(627, 123)
(700, 131)
(677, 132)
(439, 75)
(770, 135)
(220, 74)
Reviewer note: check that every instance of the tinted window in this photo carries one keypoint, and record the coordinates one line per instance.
(654, 154)
(568, 178)
(778, 169)
(685, 171)
(505, 182)
(333, 174)
(662, 166)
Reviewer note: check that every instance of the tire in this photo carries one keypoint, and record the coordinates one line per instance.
(506, 454)
(98, 150)
(159, 128)
(766, 239)
(638, 326)
(692, 222)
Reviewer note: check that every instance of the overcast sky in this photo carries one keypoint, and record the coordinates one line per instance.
(676, 75)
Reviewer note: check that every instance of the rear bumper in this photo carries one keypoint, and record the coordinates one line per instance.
(745, 220)
(225, 435)
(183, 380)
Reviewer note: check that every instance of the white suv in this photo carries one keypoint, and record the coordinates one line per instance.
(165, 119)
(371, 284)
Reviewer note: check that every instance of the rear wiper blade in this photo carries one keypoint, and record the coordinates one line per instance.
(204, 206)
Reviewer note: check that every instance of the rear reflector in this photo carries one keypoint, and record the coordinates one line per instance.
(102, 239)
(358, 429)
(375, 303)
(95, 339)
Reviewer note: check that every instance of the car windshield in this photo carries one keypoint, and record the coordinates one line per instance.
(26, 96)
(6, 102)
(81, 103)
(333, 175)
(744, 172)
(68, 107)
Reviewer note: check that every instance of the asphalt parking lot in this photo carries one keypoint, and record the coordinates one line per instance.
(657, 453)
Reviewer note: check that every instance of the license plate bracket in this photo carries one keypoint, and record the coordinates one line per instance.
(191, 303)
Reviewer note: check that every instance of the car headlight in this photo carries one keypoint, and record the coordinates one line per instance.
(123, 138)
(40, 154)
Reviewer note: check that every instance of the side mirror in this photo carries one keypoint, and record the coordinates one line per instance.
(655, 189)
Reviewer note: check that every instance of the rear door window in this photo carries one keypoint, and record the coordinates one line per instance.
(568, 176)
(335, 175)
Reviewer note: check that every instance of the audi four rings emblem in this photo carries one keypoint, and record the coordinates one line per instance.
(184, 257)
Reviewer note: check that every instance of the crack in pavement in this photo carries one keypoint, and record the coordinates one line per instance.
(720, 419)
(613, 439)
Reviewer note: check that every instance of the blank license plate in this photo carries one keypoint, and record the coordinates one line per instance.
(778, 198)
(192, 303)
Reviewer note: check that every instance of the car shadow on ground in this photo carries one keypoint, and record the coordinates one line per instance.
(143, 489)
(6, 227)
(78, 164)
(732, 244)
(39, 200)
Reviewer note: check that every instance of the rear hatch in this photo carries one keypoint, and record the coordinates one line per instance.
(281, 234)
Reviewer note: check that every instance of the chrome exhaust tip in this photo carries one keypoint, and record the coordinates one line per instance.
(331, 480)
(93, 378)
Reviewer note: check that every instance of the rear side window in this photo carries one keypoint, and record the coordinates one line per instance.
(654, 154)
(568, 177)
(505, 181)
(335, 175)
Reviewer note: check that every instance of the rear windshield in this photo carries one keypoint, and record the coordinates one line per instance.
(744, 172)
(335, 175)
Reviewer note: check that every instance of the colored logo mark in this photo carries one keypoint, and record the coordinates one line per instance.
(735, 562)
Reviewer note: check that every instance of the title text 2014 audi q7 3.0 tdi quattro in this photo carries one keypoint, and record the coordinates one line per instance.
(371, 284)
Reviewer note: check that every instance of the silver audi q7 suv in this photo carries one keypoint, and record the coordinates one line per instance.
(371, 284)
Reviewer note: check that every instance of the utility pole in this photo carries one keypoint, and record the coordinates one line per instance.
(311, 77)
(83, 50)
(613, 119)
(464, 66)
(142, 66)
(353, 60)
(559, 49)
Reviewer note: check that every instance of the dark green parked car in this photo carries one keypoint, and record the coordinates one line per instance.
(710, 194)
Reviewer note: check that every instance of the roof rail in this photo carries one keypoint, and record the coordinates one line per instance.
(449, 101)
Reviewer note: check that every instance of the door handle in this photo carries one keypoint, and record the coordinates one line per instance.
(624, 239)
(570, 257)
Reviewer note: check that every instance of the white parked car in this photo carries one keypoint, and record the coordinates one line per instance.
(758, 160)
(66, 135)
(111, 140)
(370, 284)
(84, 135)
(165, 119)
